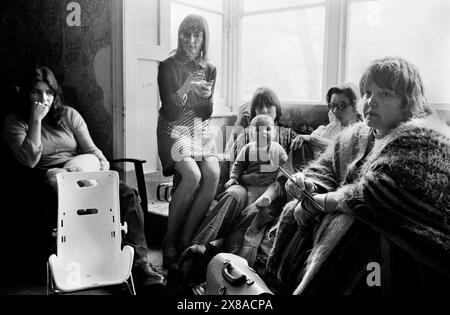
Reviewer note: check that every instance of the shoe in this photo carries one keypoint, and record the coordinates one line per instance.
(170, 257)
(199, 289)
(148, 275)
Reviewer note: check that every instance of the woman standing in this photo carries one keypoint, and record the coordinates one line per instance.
(186, 85)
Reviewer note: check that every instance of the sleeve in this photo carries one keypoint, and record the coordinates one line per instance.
(282, 155)
(319, 131)
(239, 164)
(287, 135)
(329, 131)
(205, 106)
(237, 146)
(82, 135)
(404, 195)
(239, 127)
(15, 135)
(319, 142)
(322, 171)
(172, 105)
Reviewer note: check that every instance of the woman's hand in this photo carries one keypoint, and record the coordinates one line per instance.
(191, 82)
(204, 89)
(230, 183)
(299, 184)
(298, 141)
(259, 179)
(304, 216)
(38, 111)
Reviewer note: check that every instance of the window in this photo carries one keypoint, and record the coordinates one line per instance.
(416, 30)
(213, 12)
(300, 48)
(282, 47)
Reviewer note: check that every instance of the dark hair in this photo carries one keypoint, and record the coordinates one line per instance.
(402, 77)
(197, 23)
(33, 76)
(265, 97)
(348, 89)
(262, 120)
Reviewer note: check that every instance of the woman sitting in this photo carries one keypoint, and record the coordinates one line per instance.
(229, 220)
(224, 216)
(185, 145)
(382, 194)
(342, 101)
(48, 138)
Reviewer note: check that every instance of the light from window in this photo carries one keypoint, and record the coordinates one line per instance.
(216, 5)
(180, 11)
(284, 51)
(416, 30)
(258, 5)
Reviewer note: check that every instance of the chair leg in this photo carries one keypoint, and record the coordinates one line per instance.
(49, 280)
(130, 285)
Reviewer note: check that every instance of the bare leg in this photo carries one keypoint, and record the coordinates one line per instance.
(272, 192)
(208, 185)
(51, 177)
(83, 163)
(180, 204)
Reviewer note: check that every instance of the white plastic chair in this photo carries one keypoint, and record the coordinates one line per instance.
(89, 253)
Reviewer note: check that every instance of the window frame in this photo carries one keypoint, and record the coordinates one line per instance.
(220, 103)
(345, 15)
(335, 49)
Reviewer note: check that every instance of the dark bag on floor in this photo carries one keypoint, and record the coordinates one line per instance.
(229, 274)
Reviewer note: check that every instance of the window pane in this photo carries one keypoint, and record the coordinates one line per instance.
(178, 13)
(256, 5)
(216, 5)
(416, 30)
(287, 56)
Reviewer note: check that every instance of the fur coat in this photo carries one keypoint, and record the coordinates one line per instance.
(401, 191)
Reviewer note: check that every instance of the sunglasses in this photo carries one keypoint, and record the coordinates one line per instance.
(340, 106)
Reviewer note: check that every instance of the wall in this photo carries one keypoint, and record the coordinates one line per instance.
(36, 32)
(445, 115)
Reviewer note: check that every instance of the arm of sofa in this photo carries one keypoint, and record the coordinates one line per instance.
(140, 179)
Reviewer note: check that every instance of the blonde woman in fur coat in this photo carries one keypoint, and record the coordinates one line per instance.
(383, 225)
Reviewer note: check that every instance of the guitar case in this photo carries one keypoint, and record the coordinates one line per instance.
(229, 274)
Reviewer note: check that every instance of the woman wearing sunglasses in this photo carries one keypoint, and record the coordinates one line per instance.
(342, 101)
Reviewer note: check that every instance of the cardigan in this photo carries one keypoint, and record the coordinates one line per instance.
(172, 73)
(401, 191)
(58, 145)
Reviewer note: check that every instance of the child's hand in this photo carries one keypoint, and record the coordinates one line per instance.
(230, 183)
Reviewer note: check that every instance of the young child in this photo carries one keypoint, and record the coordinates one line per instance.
(260, 155)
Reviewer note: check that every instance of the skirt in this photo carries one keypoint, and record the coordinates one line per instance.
(186, 137)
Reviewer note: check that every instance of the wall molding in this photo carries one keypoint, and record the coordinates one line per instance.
(117, 79)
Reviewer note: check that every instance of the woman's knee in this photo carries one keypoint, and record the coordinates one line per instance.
(237, 191)
(190, 175)
(210, 173)
(50, 177)
(83, 163)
